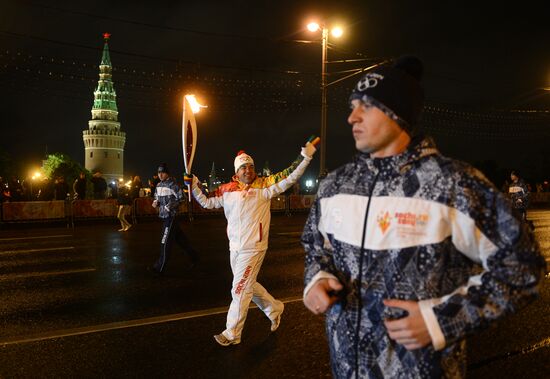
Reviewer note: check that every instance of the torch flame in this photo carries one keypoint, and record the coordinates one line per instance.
(195, 106)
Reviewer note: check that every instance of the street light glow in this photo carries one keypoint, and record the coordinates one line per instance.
(313, 26)
(195, 106)
(337, 32)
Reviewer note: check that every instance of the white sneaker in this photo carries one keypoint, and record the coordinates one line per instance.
(277, 321)
(224, 341)
(122, 230)
(128, 227)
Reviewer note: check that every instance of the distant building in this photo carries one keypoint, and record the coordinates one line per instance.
(213, 181)
(104, 141)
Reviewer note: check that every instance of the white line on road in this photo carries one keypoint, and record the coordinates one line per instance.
(36, 237)
(123, 324)
(39, 274)
(7, 252)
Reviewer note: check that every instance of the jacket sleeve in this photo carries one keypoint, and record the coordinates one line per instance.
(319, 262)
(487, 232)
(205, 202)
(294, 173)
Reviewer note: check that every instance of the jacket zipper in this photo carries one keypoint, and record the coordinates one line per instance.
(360, 281)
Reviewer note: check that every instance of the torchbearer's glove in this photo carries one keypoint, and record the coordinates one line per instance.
(189, 179)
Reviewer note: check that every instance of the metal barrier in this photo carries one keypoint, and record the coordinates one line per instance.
(34, 210)
(28, 211)
(300, 202)
(59, 210)
(94, 208)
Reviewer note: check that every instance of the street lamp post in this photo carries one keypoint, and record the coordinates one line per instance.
(322, 168)
(337, 32)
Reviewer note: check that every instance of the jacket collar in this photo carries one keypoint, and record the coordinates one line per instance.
(420, 146)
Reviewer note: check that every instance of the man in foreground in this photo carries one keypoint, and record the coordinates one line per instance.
(407, 251)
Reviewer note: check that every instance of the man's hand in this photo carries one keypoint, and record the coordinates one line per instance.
(410, 331)
(310, 148)
(155, 203)
(322, 295)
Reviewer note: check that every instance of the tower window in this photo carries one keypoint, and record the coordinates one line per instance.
(105, 153)
(91, 154)
(118, 155)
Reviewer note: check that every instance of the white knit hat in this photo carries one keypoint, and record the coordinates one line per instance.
(242, 158)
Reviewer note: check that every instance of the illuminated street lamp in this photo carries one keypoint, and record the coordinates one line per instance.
(35, 176)
(336, 32)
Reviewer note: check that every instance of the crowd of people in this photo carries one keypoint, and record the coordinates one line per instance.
(84, 187)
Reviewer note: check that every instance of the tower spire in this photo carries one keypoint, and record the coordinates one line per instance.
(106, 59)
(104, 141)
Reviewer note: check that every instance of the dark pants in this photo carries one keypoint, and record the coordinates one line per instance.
(171, 231)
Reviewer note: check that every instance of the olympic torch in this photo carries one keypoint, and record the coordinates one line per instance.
(189, 132)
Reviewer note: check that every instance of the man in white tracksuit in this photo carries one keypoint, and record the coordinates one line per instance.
(246, 201)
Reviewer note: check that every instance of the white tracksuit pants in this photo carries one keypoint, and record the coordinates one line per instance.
(245, 267)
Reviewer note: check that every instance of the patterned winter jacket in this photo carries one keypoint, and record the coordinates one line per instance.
(519, 194)
(248, 207)
(415, 226)
(169, 197)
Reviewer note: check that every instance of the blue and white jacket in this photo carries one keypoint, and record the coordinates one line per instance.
(169, 197)
(438, 232)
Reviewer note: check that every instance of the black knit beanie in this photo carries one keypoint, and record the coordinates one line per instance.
(395, 90)
(163, 168)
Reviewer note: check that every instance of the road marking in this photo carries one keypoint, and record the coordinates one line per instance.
(39, 274)
(7, 252)
(526, 350)
(37, 237)
(124, 324)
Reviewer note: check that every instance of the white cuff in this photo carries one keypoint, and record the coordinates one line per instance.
(320, 275)
(438, 339)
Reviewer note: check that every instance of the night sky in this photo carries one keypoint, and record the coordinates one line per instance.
(247, 60)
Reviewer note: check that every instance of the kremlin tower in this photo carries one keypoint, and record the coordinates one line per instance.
(103, 140)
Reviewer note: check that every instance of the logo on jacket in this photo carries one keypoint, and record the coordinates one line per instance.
(242, 282)
(411, 219)
(384, 221)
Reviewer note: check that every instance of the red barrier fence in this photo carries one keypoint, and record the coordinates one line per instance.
(28, 211)
(94, 208)
(33, 210)
(301, 201)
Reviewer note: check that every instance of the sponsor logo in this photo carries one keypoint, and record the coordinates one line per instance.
(384, 221)
(408, 220)
(243, 280)
(369, 81)
(411, 219)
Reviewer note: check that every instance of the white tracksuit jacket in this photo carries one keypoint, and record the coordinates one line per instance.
(247, 208)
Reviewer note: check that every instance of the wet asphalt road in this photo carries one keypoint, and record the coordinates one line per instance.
(80, 303)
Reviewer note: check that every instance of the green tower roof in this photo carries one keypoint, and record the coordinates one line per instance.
(106, 59)
(105, 95)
